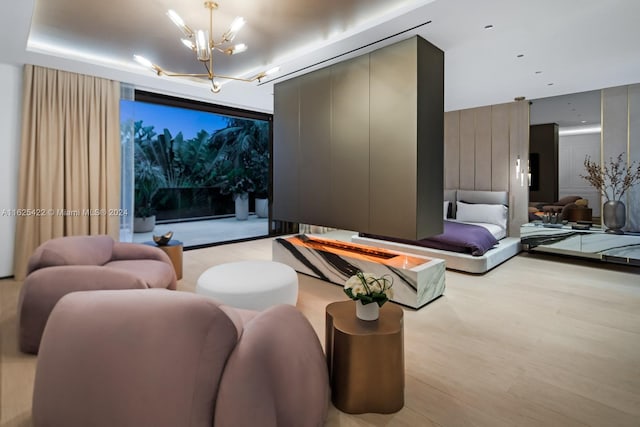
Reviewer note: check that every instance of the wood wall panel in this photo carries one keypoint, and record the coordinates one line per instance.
(467, 149)
(430, 139)
(315, 152)
(500, 147)
(349, 142)
(452, 149)
(614, 122)
(621, 134)
(615, 128)
(393, 144)
(519, 146)
(483, 148)
(633, 196)
(286, 186)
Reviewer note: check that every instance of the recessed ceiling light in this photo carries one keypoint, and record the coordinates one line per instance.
(549, 84)
(583, 121)
(488, 27)
(520, 55)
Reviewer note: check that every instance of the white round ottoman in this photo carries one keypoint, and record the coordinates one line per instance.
(252, 285)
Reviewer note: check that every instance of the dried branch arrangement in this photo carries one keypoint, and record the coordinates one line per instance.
(612, 179)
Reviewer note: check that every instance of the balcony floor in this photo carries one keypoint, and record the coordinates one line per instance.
(211, 231)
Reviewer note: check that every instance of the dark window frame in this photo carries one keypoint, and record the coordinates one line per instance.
(276, 228)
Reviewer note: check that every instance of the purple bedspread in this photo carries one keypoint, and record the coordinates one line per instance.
(457, 237)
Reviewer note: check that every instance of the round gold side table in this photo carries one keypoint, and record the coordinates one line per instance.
(365, 359)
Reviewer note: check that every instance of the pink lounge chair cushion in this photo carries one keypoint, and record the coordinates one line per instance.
(135, 359)
(72, 250)
(153, 273)
(166, 359)
(77, 263)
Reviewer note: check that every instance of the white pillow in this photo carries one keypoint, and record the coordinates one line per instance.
(492, 214)
(446, 209)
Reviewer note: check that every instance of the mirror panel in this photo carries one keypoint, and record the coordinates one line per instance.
(578, 118)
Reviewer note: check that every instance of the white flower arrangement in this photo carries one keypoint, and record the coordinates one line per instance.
(368, 288)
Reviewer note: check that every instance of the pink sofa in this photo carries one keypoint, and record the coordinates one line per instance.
(138, 358)
(79, 263)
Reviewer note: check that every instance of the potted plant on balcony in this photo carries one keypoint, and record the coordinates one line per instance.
(259, 168)
(238, 183)
(148, 180)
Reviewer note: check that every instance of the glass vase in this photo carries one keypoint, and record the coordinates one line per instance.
(614, 216)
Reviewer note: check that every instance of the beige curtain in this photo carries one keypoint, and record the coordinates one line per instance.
(69, 160)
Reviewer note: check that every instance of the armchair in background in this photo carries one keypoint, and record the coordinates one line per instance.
(561, 207)
(80, 263)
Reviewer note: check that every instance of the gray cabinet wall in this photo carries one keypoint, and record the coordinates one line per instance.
(359, 145)
(349, 176)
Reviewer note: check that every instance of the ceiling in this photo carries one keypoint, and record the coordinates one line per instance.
(536, 49)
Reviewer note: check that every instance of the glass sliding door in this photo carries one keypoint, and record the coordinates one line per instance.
(205, 175)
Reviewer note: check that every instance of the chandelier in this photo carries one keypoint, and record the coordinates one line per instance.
(202, 43)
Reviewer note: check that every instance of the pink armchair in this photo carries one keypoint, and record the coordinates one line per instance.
(79, 263)
(165, 359)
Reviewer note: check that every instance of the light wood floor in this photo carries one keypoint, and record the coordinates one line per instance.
(539, 341)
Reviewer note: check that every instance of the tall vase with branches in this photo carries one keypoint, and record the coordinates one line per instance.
(612, 179)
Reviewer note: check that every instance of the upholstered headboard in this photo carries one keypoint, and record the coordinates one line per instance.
(474, 196)
(450, 195)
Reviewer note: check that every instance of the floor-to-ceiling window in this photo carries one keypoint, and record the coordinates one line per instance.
(200, 170)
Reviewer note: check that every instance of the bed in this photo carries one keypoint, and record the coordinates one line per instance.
(474, 239)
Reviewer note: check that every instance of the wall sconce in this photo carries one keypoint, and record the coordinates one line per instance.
(520, 172)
